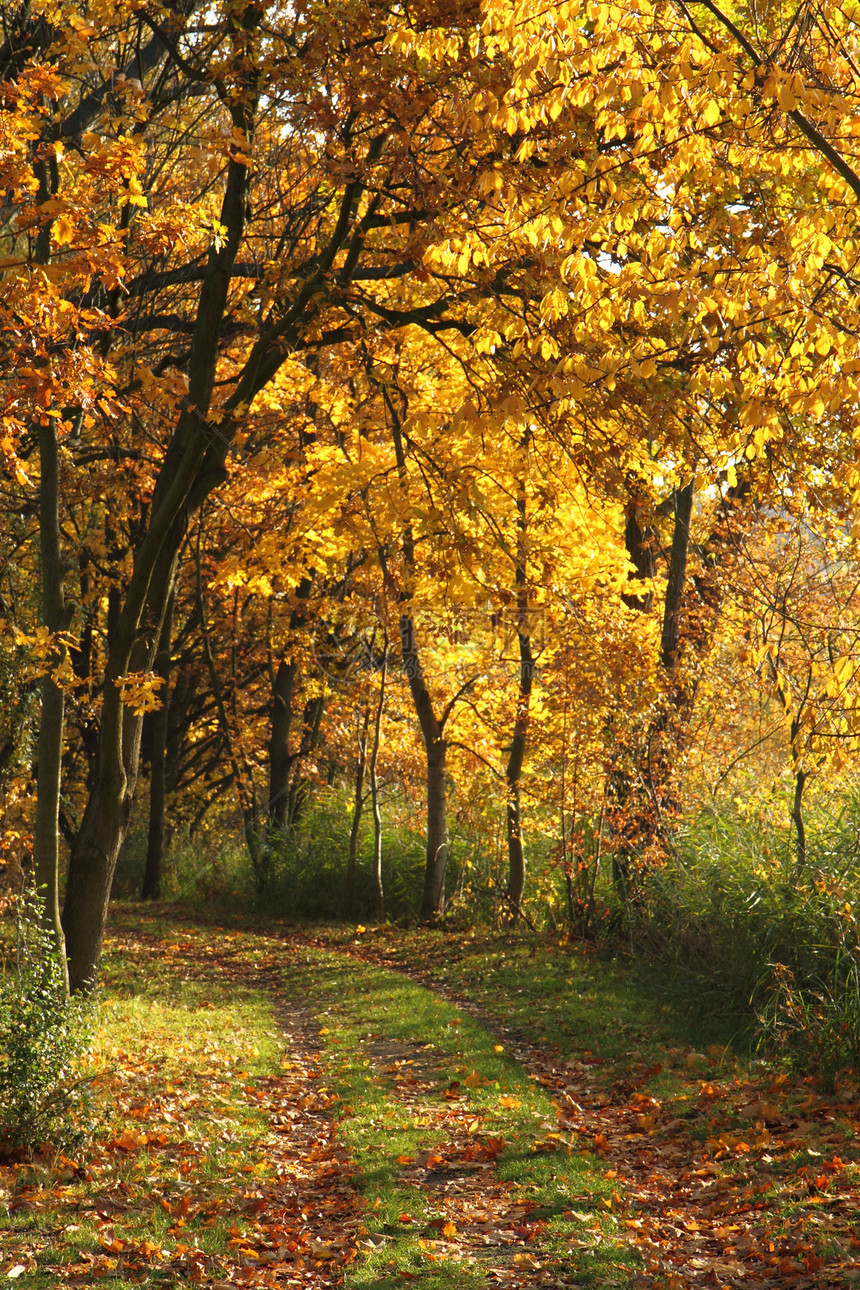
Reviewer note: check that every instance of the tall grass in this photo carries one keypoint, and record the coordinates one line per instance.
(308, 877)
(210, 871)
(755, 949)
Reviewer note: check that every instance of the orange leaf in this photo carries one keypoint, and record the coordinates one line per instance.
(63, 230)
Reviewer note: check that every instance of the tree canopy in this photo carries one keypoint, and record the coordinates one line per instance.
(518, 344)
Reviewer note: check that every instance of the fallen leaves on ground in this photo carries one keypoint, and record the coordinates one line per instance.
(739, 1177)
(730, 1178)
(286, 1212)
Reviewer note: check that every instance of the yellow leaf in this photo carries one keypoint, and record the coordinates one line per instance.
(712, 113)
(63, 230)
(786, 98)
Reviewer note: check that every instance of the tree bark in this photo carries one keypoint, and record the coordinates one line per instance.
(160, 721)
(513, 774)
(671, 632)
(357, 811)
(433, 734)
(800, 779)
(105, 822)
(281, 758)
(516, 757)
(374, 789)
(46, 842)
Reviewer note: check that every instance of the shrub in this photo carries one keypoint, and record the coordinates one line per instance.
(44, 1037)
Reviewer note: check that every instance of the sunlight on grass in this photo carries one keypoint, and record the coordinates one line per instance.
(177, 1138)
(455, 1145)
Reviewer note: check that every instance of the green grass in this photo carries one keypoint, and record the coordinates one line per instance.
(179, 1052)
(454, 1166)
(429, 1095)
(558, 994)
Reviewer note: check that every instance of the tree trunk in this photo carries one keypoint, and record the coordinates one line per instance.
(160, 722)
(432, 732)
(513, 773)
(284, 689)
(374, 789)
(432, 728)
(280, 757)
(300, 787)
(639, 541)
(516, 757)
(433, 896)
(671, 633)
(46, 842)
(106, 816)
(635, 791)
(800, 779)
(357, 811)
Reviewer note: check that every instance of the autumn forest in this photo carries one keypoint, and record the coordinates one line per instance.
(451, 407)
(430, 501)
(470, 391)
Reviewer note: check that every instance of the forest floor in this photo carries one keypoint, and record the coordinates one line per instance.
(377, 1109)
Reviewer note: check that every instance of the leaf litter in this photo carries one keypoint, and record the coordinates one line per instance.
(718, 1175)
(141, 1205)
(736, 1175)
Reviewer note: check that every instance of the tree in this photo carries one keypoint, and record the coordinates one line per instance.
(344, 209)
(798, 592)
(627, 232)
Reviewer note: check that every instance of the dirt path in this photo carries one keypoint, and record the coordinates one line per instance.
(736, 1184)
(308, 1222)
(302, 1228)
(696, 1191)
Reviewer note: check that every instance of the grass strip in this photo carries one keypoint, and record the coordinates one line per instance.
(156, 1196)
(456, 1148)
(775, 1152)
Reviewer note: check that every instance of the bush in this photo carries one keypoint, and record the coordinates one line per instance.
(44, 1037)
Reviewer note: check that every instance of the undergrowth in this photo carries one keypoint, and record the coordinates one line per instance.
(727, 932)
(44, 1039)
(731, 930)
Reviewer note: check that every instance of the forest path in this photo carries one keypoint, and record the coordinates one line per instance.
(733, 1179)
(384, 1109)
